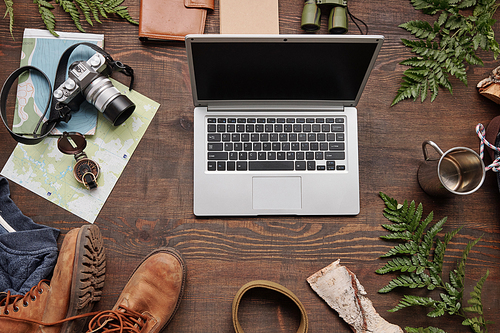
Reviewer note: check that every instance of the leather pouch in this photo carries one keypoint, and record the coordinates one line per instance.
(172, 19)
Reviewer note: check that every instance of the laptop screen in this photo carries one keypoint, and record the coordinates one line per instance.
(288, 68)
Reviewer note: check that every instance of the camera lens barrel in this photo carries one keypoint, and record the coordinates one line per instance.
(108, 100)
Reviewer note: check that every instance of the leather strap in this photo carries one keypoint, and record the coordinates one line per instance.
(36, 138)
(58, 112)
(304, 324)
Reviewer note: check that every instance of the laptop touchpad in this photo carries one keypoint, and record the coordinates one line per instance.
(277, 192)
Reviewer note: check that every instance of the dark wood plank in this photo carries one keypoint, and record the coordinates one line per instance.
(151, 205)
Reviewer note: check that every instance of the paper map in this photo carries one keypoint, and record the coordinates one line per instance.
(42, 50)
(44, 170)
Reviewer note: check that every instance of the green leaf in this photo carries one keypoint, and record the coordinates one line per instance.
(48, 18)
(429, 329)
(446, 46)
(9, 4)
(418, 260)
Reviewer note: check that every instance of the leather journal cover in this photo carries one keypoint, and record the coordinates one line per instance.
(172, 19)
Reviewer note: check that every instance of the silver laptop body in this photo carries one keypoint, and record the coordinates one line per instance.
(304, 87)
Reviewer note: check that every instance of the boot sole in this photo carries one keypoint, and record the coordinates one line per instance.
(89, 271)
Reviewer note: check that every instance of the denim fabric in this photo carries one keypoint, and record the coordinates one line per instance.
(27, 255)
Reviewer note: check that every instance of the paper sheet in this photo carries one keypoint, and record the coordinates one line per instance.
(44, 170)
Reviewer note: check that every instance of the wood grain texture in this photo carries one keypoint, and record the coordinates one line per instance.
(151, 205)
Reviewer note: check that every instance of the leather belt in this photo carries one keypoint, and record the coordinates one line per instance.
(304, 324)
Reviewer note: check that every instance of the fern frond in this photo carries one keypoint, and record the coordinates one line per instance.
(85, 9)
(429, 329)
(114, 6)
(69, 7)
(441, 248)
(410, 300)
(445, 46)
(409, 281)
(475, 295)
(9, 4)
(403, 264)
(460, 271)
(48, 18)
(419, 258)
(421, 29)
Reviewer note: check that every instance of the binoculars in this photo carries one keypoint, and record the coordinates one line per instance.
(337, 21)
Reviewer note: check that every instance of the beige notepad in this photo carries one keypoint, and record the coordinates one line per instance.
(249, 17)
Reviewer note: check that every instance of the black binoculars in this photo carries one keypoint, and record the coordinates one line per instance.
(337, 21)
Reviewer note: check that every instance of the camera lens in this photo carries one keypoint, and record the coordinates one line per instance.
(119, 109)
(107, 99)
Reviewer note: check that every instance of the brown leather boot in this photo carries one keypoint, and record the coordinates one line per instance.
(151, 297)
(75, 285)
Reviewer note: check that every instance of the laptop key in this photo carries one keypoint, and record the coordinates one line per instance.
(241, 165)
(231, 166)
(214, 137)
(212, 166)
(337, 128)
(300, 165)
(213, 146)
(221, 166)
(311, 165)
(271, 165)
(336, 146)
(220, 156)
(329, 155)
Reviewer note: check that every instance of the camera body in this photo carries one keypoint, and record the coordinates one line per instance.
(337, 21)
(86, 82)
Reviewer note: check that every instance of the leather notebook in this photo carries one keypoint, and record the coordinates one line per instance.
(172, 19)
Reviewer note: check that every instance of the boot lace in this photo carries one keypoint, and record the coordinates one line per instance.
(14, 299)
(123, 320)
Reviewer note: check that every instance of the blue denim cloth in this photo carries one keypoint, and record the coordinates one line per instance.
(27, 255)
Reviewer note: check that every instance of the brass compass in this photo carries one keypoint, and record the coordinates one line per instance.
(85, 170)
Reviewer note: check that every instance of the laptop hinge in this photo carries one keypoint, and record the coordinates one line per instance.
(275, 108)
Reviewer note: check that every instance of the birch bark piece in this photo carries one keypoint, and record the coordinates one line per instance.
(490, 86)
(342, 291)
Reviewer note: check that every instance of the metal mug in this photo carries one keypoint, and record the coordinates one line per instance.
(459, 171)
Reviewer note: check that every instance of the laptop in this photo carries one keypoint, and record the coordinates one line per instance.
(275, 122)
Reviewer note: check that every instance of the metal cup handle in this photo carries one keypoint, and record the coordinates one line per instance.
(433, 145)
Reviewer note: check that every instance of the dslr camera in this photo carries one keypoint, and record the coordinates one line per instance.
(337, 21)
(86, 82)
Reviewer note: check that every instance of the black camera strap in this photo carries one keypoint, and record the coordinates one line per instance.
(58, 111)
(3, 105)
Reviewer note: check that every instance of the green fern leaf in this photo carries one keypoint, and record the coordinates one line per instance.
(429, 329)
(70, 8)
(48, 18)
(446, 46)
(409, 281)
(9, 4)
(85, 9)
(419, 258)
(475, 300)
(410, 300)
(421, 29)
(466, 4)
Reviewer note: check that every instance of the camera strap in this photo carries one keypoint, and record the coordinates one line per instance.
(3, 105)
(58, 111)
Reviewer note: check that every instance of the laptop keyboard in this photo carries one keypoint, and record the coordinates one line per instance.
(276, 144)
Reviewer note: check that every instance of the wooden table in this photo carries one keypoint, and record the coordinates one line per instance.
(152, 203)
